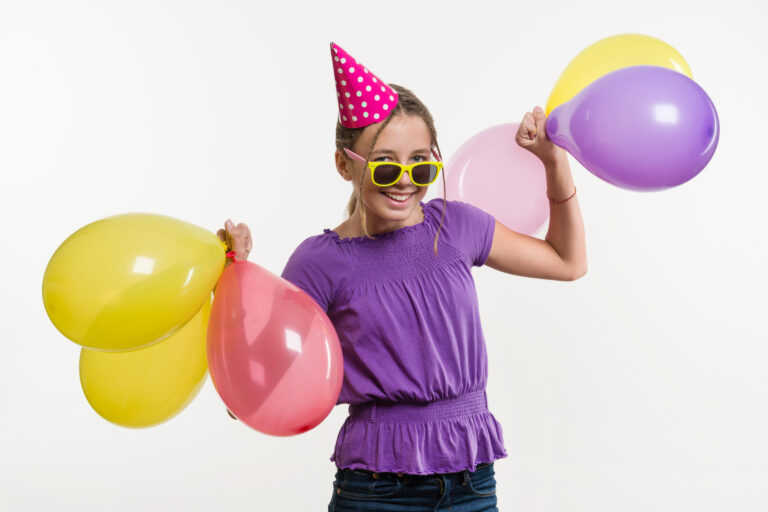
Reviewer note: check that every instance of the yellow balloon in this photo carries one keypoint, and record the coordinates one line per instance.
(141, 388)
(610, 54)
(128, 281)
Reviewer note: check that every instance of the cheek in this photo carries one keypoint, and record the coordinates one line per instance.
(422, 192)
(371, 190)
(357, 182)
(366, 189)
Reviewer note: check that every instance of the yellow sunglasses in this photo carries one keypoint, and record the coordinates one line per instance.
(385, 174)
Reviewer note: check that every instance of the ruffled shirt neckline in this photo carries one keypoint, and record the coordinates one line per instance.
(396, 233)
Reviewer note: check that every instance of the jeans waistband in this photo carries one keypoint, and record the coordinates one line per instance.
(468, 404)
(392, 475)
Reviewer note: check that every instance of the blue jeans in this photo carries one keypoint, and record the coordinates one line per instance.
(358, 490)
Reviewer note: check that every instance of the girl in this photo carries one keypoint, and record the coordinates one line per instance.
(395, 280)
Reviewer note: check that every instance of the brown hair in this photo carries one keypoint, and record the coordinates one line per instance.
(407, 104)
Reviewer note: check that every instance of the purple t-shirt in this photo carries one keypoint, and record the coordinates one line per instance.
(409, 328)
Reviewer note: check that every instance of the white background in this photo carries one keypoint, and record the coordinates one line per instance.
(642, 386)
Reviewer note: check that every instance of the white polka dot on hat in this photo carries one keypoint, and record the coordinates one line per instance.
(355, 90)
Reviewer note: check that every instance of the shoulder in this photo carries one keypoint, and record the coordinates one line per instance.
(320, 250)
(465, 226)
(457, 212)
(317, 266)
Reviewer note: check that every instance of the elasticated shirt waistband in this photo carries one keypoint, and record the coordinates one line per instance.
(468, 404)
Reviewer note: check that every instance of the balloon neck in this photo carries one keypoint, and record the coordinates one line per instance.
(558, 129)
(231, 255)
(551, 126)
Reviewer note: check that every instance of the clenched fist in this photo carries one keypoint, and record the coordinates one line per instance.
(532, 135)
(237, 238)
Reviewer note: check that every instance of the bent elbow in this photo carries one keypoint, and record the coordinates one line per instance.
(578, 273)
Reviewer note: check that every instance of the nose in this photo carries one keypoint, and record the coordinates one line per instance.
(405, 179)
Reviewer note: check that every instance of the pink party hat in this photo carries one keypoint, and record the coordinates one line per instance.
(363, 98)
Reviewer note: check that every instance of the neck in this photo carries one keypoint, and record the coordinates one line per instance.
(378, 226)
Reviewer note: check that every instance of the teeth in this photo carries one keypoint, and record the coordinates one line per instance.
(397, 197)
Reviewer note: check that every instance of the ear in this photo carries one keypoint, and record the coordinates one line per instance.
(342, 165)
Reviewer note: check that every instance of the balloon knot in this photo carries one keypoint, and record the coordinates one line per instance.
(231, 254)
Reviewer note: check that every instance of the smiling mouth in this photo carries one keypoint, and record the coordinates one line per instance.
(400, 198)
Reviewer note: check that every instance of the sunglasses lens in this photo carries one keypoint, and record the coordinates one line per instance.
(386, 174)
(424, 174)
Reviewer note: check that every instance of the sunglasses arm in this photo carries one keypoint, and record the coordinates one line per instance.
(354, 156)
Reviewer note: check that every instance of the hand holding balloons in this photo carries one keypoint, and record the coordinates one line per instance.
(238, 239)
(532, 135)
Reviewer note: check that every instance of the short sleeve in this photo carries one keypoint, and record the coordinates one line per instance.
(309, 269)
(469, 229)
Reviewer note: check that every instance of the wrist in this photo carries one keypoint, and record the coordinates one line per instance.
(554, 159)
(561, 201)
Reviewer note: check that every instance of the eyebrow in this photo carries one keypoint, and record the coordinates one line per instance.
(383, 152)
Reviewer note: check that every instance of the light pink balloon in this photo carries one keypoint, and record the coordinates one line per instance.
(273, 353)
(493, 173)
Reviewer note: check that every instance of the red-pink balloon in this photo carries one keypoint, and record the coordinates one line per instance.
(493, 173)
(273, 354)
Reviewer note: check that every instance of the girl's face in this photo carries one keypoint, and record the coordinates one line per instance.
(406, 139)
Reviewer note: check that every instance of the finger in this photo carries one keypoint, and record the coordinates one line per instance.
(246, 236)
(540, 119)
(530, 127)
(524, 128)
(231, 234)
(240, 238)
(224, 237)
(243, 230)
(521, 130)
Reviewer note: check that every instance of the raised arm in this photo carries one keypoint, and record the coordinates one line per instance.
(562, 255)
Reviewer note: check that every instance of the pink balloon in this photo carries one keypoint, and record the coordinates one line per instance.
(273, 353)
(493, 173)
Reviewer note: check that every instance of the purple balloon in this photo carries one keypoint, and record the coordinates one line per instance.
(639, 128)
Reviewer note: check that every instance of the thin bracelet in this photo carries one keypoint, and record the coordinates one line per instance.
(562, 201)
